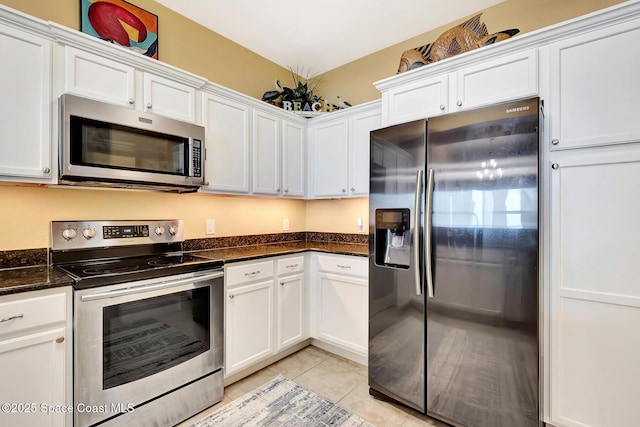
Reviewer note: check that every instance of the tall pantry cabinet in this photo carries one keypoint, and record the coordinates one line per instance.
(593, 168)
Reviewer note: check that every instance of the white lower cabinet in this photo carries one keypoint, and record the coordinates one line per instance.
(35, 358)
(264, 310)
(594, 292)
(340, 302)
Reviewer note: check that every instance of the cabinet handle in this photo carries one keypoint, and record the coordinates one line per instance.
(253, 273)
(132, 101)
(281, 283)
(442, 107)
(555, 166)
(459, 103)
(286, 191)
(149, 106)
(344, 191)
(353, 189)
(277, 190)
(291, 266)
(46, 170)
(231, 296)
(19, 316)
(60, 340)
(344, 266)
(555, 141)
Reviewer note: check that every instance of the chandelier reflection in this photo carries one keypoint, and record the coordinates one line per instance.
(489, 171)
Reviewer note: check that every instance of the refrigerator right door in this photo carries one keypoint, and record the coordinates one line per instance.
(482, 320)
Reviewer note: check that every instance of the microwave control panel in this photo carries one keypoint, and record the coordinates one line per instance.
(196, 155)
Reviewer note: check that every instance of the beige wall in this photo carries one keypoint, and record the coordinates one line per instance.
(27, 211)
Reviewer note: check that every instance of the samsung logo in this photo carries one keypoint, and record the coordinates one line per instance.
(145, 120)
(517, 109)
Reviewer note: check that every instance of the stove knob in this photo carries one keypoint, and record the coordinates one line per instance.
(159, 230)
(173, 230)
(89, 233)
(69, 234)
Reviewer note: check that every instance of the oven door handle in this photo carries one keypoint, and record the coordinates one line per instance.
(150, 287)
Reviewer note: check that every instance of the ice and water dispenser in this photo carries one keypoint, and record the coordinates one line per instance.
(392, 239)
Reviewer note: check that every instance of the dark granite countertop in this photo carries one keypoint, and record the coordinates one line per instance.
(33, 278)
(244, 253)
(36, 277)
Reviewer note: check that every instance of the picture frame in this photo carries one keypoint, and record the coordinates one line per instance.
(122, 23)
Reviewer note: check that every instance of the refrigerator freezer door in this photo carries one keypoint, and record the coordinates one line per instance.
(482, 345)
(396, 303)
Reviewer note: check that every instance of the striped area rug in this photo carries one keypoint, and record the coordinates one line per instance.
(282, 403)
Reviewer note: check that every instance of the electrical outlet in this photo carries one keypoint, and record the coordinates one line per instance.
(360, 223)
(211, 226)
(285, 224)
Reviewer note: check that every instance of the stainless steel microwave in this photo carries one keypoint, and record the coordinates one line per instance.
(112, 146)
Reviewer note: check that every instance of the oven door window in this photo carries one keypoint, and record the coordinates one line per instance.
(96, 143)
(141, 338)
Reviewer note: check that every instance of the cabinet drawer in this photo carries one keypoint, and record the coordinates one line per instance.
(344, 265)
(290, 265)
(32, 312)
(245, 273)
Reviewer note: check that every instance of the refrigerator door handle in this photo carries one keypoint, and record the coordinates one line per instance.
(416, 232)
(427, 225)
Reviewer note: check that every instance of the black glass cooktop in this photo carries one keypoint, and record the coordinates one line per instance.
(92, 273)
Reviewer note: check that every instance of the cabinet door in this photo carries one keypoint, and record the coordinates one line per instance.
(359, 157)
(510, 77)
(417, 100)
(249, 325)
(99, 78)
(32, 368)
(293, 159)
(227, 145)
(25, 85)
(344, 310)
(291, 313)
(330, 157)
(595, 104)
(169, 98)
(594, 293)
(266, 153)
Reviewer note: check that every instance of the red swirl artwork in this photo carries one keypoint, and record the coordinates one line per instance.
(121, 23)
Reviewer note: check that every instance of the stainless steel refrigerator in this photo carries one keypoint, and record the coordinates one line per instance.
(453, 265)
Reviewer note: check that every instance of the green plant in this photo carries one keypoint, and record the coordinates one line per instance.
(303, 89)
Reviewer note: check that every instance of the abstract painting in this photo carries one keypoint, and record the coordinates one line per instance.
(121, 23)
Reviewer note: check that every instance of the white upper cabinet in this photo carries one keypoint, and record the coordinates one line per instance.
(594, 87)
(458, 83)
(339, 151)
(121, 83)
(359, 158)
(329, 157)
(227, 140)
(293, 158)
(266, 153)
(25, 106)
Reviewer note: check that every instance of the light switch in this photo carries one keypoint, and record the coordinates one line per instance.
(360, 224)
(285, 224)
(211, 226)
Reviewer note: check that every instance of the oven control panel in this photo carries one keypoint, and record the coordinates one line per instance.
(99, 234)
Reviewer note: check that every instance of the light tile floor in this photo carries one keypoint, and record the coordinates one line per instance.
(338, 379)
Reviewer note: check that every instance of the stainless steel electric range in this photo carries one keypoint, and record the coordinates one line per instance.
(148, 322)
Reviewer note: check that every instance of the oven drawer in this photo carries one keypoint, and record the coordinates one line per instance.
(245, 273)
(290, 265)
(32, 312)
